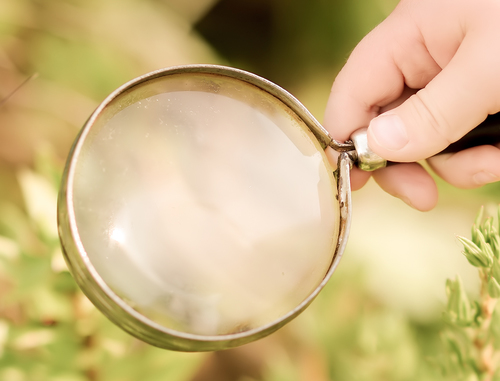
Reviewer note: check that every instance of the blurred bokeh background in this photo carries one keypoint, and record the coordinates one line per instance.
(380, 316)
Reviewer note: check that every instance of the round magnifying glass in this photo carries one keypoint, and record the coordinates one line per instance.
(198, 210)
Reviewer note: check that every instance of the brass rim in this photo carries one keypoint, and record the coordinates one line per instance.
(114, 307)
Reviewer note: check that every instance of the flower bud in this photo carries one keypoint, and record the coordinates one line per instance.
(487, 228)
(475, 255)
(474, 233)
(486, 250)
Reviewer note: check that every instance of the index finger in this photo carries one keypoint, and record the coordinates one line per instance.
(389, 58)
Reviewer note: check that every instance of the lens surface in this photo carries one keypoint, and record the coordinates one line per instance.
(205, 204)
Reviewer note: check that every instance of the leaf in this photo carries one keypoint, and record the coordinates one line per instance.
(474, 232)
(493, 288)
(495, 245)
(486, 250)
(479, 216)
(459, 307)
(487, 228)
(494, 328)
(495, 271)
(449, 287)
(41, 200)
(455, 347)
(478, 318)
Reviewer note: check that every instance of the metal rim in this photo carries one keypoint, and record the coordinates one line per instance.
(114, 307)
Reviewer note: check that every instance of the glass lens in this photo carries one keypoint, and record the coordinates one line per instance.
(205, 203)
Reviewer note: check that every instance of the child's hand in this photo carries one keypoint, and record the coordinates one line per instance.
(421, 80)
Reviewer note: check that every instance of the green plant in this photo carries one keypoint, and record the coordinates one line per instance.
(473, 334)
(48, 329)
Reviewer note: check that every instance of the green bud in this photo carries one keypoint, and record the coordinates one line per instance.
(455, 348)
(479, 219)
(479, 216)
(494, 229)
(487, 229)
(493, 288)
(473, 260)
(464, 309)
(486, 250)
(474, 233)
(495, 245)
(451, 293)
(495, 271)
(474, 254)
(449, 288)
(469, 246)
(458, 308)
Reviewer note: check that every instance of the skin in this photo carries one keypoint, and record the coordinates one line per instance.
(422, 79)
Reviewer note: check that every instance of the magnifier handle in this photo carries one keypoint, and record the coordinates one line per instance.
(486, 133)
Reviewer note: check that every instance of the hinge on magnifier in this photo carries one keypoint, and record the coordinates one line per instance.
(359, 152)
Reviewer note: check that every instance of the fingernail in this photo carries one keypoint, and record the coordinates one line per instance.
(389, 132)
(483, 177)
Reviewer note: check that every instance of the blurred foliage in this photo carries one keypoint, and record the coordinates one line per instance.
(473, 336)
(81, 51)
(50, 331)
(288, 41)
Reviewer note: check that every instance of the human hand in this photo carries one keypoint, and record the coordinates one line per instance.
(421, 80)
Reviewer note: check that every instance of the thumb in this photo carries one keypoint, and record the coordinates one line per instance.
(454, 102)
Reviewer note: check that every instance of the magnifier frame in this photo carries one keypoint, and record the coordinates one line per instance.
(114, 307)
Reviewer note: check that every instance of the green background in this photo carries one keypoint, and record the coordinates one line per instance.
(380, 316)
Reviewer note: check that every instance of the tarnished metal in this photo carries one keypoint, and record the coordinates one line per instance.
(117, 309)
(119, 312)
(366, 159)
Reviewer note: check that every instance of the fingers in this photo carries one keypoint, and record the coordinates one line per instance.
(387, 61)
(470, 168)
(359, 178)
(409, 182)
(456, 100)
(448, 50)
(445, 110)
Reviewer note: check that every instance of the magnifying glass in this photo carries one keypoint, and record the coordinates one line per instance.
(198, 210)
